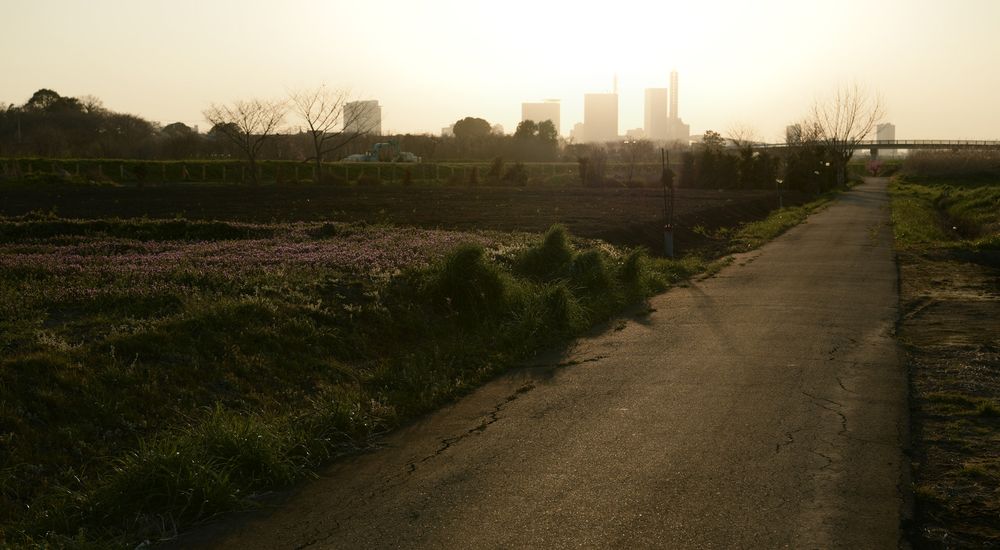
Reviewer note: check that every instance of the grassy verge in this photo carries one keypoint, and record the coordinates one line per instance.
(156, 374)
(946, 234)
(752, 235)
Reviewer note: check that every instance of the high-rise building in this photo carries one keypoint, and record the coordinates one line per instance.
(676, 129)
(655, 126)
(542, 111)
(600, 117)
(885, 132)
(363, 117)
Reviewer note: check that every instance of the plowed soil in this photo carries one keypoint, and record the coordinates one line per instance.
(620, 215)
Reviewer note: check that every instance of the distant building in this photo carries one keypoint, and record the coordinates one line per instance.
(673, 95)
(600, 117)
(363, 117)
(542, 111)
(636, 133)
(657, 117)
(676, 129)
(448, 131)
(578, 134)
(886, 132)
(497, 129)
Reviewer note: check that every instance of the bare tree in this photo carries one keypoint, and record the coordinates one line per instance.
(842, 121)
(248, 125)
(742, 135)
(332, 121)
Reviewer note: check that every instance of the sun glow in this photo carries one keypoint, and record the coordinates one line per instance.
(431, 62)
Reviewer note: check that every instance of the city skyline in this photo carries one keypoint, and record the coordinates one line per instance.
(758, 65)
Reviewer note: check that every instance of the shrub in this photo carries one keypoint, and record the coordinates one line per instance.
(632, 273)
(590, 272)
(468, 284)
(563, 310)
(550, 259)
(517, 174)
(496, 169)
(952, 164)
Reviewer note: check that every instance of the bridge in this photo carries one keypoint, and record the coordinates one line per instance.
(874, 146)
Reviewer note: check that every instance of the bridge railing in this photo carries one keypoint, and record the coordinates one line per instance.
(902, 143)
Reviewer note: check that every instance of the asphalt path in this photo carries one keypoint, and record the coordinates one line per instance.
(763, 407)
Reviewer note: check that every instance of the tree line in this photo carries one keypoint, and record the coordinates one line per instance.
(54, 126)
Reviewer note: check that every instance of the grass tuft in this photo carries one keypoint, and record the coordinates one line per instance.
(549, 260)
(468, 284)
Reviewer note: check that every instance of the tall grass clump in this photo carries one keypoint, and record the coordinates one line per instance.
(468, 284)
(550, 259)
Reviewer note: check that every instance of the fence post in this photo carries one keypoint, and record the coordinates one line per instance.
(78, 168)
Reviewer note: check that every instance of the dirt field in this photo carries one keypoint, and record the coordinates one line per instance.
(621, 216)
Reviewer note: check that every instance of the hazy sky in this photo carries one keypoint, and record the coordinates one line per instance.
(430, 62)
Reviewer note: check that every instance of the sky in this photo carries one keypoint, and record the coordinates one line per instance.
(757, 64)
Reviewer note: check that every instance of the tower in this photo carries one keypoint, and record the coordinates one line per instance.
(656, 121)
(600, 117)
(673, 95)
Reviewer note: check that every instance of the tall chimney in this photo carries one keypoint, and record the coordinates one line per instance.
(673, 94)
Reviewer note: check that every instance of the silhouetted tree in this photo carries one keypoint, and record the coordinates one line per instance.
(526, 129)
(535, 141)
(844, 120)
(248, 125)
(688, 173)
(470, 128)
(42, 100)
(804, 157)
(179, 141)
(326, 119)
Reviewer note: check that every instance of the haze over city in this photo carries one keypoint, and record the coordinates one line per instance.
(431, 63)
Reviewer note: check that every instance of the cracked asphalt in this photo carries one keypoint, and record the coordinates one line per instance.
(763, 407)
